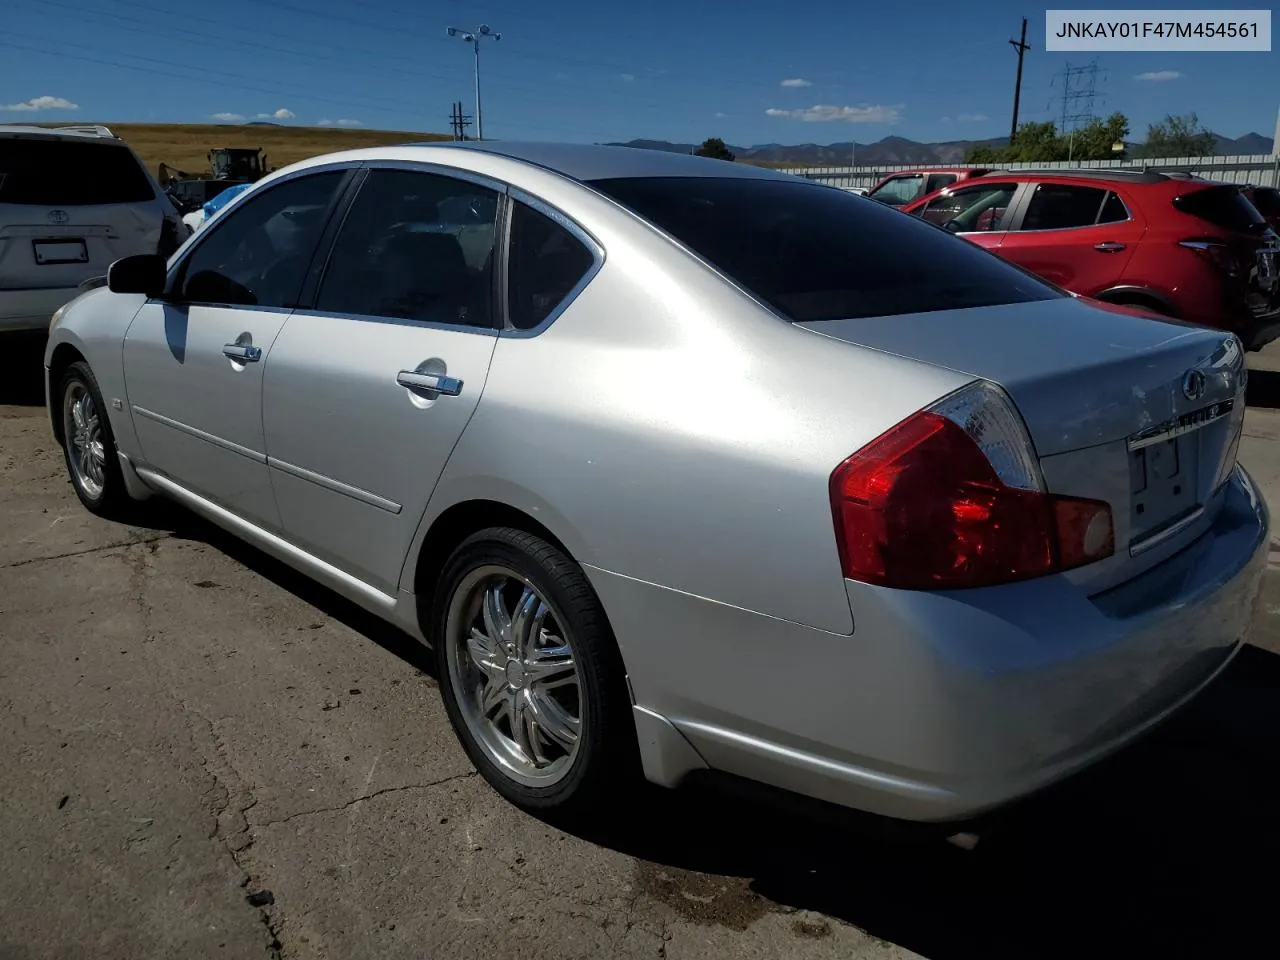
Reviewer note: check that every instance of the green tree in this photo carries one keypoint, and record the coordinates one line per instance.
(1178, 136)
(714, 148)
(1041, 143)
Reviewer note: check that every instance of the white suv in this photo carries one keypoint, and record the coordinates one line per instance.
(72, 201)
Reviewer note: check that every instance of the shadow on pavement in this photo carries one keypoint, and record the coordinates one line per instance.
(22, 369)
(1263, 389)
(1166, 849)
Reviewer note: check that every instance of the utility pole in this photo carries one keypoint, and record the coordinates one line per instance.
(1022, 47)
(474, 37)
(458, 121)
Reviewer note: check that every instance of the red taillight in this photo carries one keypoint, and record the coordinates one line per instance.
(922, 508)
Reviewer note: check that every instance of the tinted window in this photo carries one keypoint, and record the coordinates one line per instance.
(1057, 207)
(1113, 210)
(971, 209)
(1267, 201)
(1224, 207)
(258, 252)
(415, 246)
(70, 173)
(546, 263)
(939, 180)
(819, 254)
(899, 190)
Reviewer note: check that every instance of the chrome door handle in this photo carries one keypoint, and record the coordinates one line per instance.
(1108, 246)
(435, 382)
(242, 353)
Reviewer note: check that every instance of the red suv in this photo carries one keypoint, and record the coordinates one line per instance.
(1172, 243)
(907, 185)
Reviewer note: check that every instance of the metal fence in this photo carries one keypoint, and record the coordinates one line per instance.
(1261, 169)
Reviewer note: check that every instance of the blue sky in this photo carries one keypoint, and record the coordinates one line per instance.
(754, 71)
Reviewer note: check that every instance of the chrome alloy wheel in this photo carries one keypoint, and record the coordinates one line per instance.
(514, 674)
(82, 430)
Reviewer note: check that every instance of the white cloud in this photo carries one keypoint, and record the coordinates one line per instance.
(628, 77)
(340, 122)
(720, 116)
(42, 103)
(281, 114)
(946, 119)
(1159, 75)
(227, 117)
(796, 82)
(823, 113)
(973, 117)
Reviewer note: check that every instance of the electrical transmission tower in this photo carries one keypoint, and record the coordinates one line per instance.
(1079, 94)
(458, 122)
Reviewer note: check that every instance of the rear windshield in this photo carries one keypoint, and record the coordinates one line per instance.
(816, 253)
(70, 173)
(1224, 207)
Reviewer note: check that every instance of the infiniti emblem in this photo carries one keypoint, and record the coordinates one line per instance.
(59, 216)
(1193, 384)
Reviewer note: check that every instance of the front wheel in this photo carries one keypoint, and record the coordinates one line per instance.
(530, 674)
(89, 446)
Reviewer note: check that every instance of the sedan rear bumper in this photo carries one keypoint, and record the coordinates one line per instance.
(942, 706)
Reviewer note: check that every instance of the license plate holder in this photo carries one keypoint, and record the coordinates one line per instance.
(53, 252)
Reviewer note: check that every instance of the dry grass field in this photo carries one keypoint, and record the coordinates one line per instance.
(186, 146)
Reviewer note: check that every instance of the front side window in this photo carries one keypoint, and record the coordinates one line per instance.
(1060, 207)
(899, 190)
(415, 246)
(972, 209)
(814, 253)
(546, 263)
(258, 253)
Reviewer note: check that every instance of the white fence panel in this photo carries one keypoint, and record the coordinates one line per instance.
(1258, 169)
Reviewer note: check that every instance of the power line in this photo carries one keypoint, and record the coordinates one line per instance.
(458, 121)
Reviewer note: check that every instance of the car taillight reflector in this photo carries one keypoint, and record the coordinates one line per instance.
(1217, 253)
(952, 497)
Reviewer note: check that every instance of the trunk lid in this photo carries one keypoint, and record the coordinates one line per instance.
(1144, 414)
(45, 248)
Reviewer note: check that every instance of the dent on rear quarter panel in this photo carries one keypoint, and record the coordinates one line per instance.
(95, 324)
(668, 429)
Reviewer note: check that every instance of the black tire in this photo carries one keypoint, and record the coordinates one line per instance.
(606, 756)
(108, 499)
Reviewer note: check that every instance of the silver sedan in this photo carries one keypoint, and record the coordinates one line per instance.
(682, 465)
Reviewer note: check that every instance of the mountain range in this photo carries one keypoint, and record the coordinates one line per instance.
(899, 150)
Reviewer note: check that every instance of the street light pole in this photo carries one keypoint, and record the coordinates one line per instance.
(474, 37)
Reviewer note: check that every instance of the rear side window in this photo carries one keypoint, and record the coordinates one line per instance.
(899, 190)
(1113, 210)
(1267, 202)
(70, 173)
(818, 254)
(1061, 207)
(546, 263)
(1225, 207)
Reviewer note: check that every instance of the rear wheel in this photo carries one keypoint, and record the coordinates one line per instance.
(88, 445)
(529, 671)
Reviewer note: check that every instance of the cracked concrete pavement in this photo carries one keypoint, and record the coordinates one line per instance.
(204, 755)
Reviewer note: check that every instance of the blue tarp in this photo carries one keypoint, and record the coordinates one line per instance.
(221, 200)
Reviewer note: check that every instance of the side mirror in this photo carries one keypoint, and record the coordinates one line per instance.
(146, 273)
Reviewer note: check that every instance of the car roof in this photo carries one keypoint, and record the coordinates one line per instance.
(88, 132)
(580, 161)
(1090, 173)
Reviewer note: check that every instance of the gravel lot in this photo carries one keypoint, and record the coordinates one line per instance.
(203, 755)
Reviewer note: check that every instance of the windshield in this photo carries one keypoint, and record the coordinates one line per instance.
(69, 173)
(814, 253)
